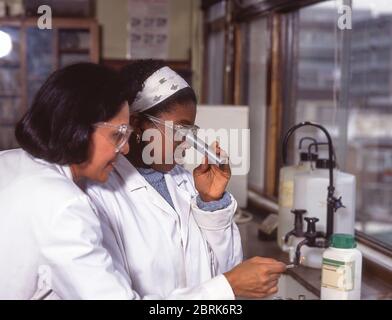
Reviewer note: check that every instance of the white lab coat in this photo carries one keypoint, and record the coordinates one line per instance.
(51, 238)
(162, 249)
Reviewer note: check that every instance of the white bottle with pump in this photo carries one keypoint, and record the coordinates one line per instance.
(341, 270)
(286, 194)
(311, 190)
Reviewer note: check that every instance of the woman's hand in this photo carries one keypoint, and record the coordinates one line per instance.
(211, 180)
(255, 278)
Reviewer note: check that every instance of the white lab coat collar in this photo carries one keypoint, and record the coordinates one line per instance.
(66, 171)
(128, 173)
(134, 181)
(178, 178)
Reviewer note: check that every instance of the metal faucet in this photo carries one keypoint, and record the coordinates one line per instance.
(311, 236)
(298, 225)
(333, 203)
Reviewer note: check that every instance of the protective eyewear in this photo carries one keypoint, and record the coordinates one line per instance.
(118, 137)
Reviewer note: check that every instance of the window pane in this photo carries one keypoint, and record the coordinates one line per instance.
(318, 71)
(370, 120)
(216, 58)
(256, 39)
(344, 82)
(216, 11)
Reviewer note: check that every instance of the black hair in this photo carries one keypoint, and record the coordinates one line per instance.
(59, 124)
(136, 73)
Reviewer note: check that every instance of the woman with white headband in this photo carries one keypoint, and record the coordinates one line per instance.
(175, 232)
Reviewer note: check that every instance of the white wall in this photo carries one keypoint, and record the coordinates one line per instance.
(185, 33)
(113, 17)
(226, 117)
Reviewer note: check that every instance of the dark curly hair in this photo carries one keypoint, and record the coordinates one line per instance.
(136, 73)
(59, 124)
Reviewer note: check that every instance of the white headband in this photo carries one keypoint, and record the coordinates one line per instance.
(158, 87)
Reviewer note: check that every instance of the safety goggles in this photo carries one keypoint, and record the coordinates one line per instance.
(181, 129)
(119, 136)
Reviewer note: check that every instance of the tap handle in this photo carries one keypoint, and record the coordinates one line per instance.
(311, 228)
(300, 212)
(337, 203)
(298, 219)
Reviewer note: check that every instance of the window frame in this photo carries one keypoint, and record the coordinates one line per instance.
(276, 99)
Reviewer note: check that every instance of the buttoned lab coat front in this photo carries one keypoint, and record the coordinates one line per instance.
(165, 250)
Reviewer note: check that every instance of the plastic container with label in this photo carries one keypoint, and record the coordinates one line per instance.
(311, 190)
(286, 194)
(341, 269)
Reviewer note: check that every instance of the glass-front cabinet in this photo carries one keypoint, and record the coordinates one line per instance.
(27, 57)
(11, 92)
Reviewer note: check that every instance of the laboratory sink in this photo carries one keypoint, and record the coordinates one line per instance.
(291, 289)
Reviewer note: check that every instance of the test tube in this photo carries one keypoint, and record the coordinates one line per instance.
(205, 150)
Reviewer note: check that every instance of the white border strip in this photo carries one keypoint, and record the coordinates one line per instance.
(375, 256)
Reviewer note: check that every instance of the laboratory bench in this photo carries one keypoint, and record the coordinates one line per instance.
(373, 287)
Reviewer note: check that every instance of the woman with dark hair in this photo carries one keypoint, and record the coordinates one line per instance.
(50, 234)
(175, 231)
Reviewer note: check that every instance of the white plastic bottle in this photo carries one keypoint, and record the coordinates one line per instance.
(341, 270)
(286, 194)
(311, 190)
